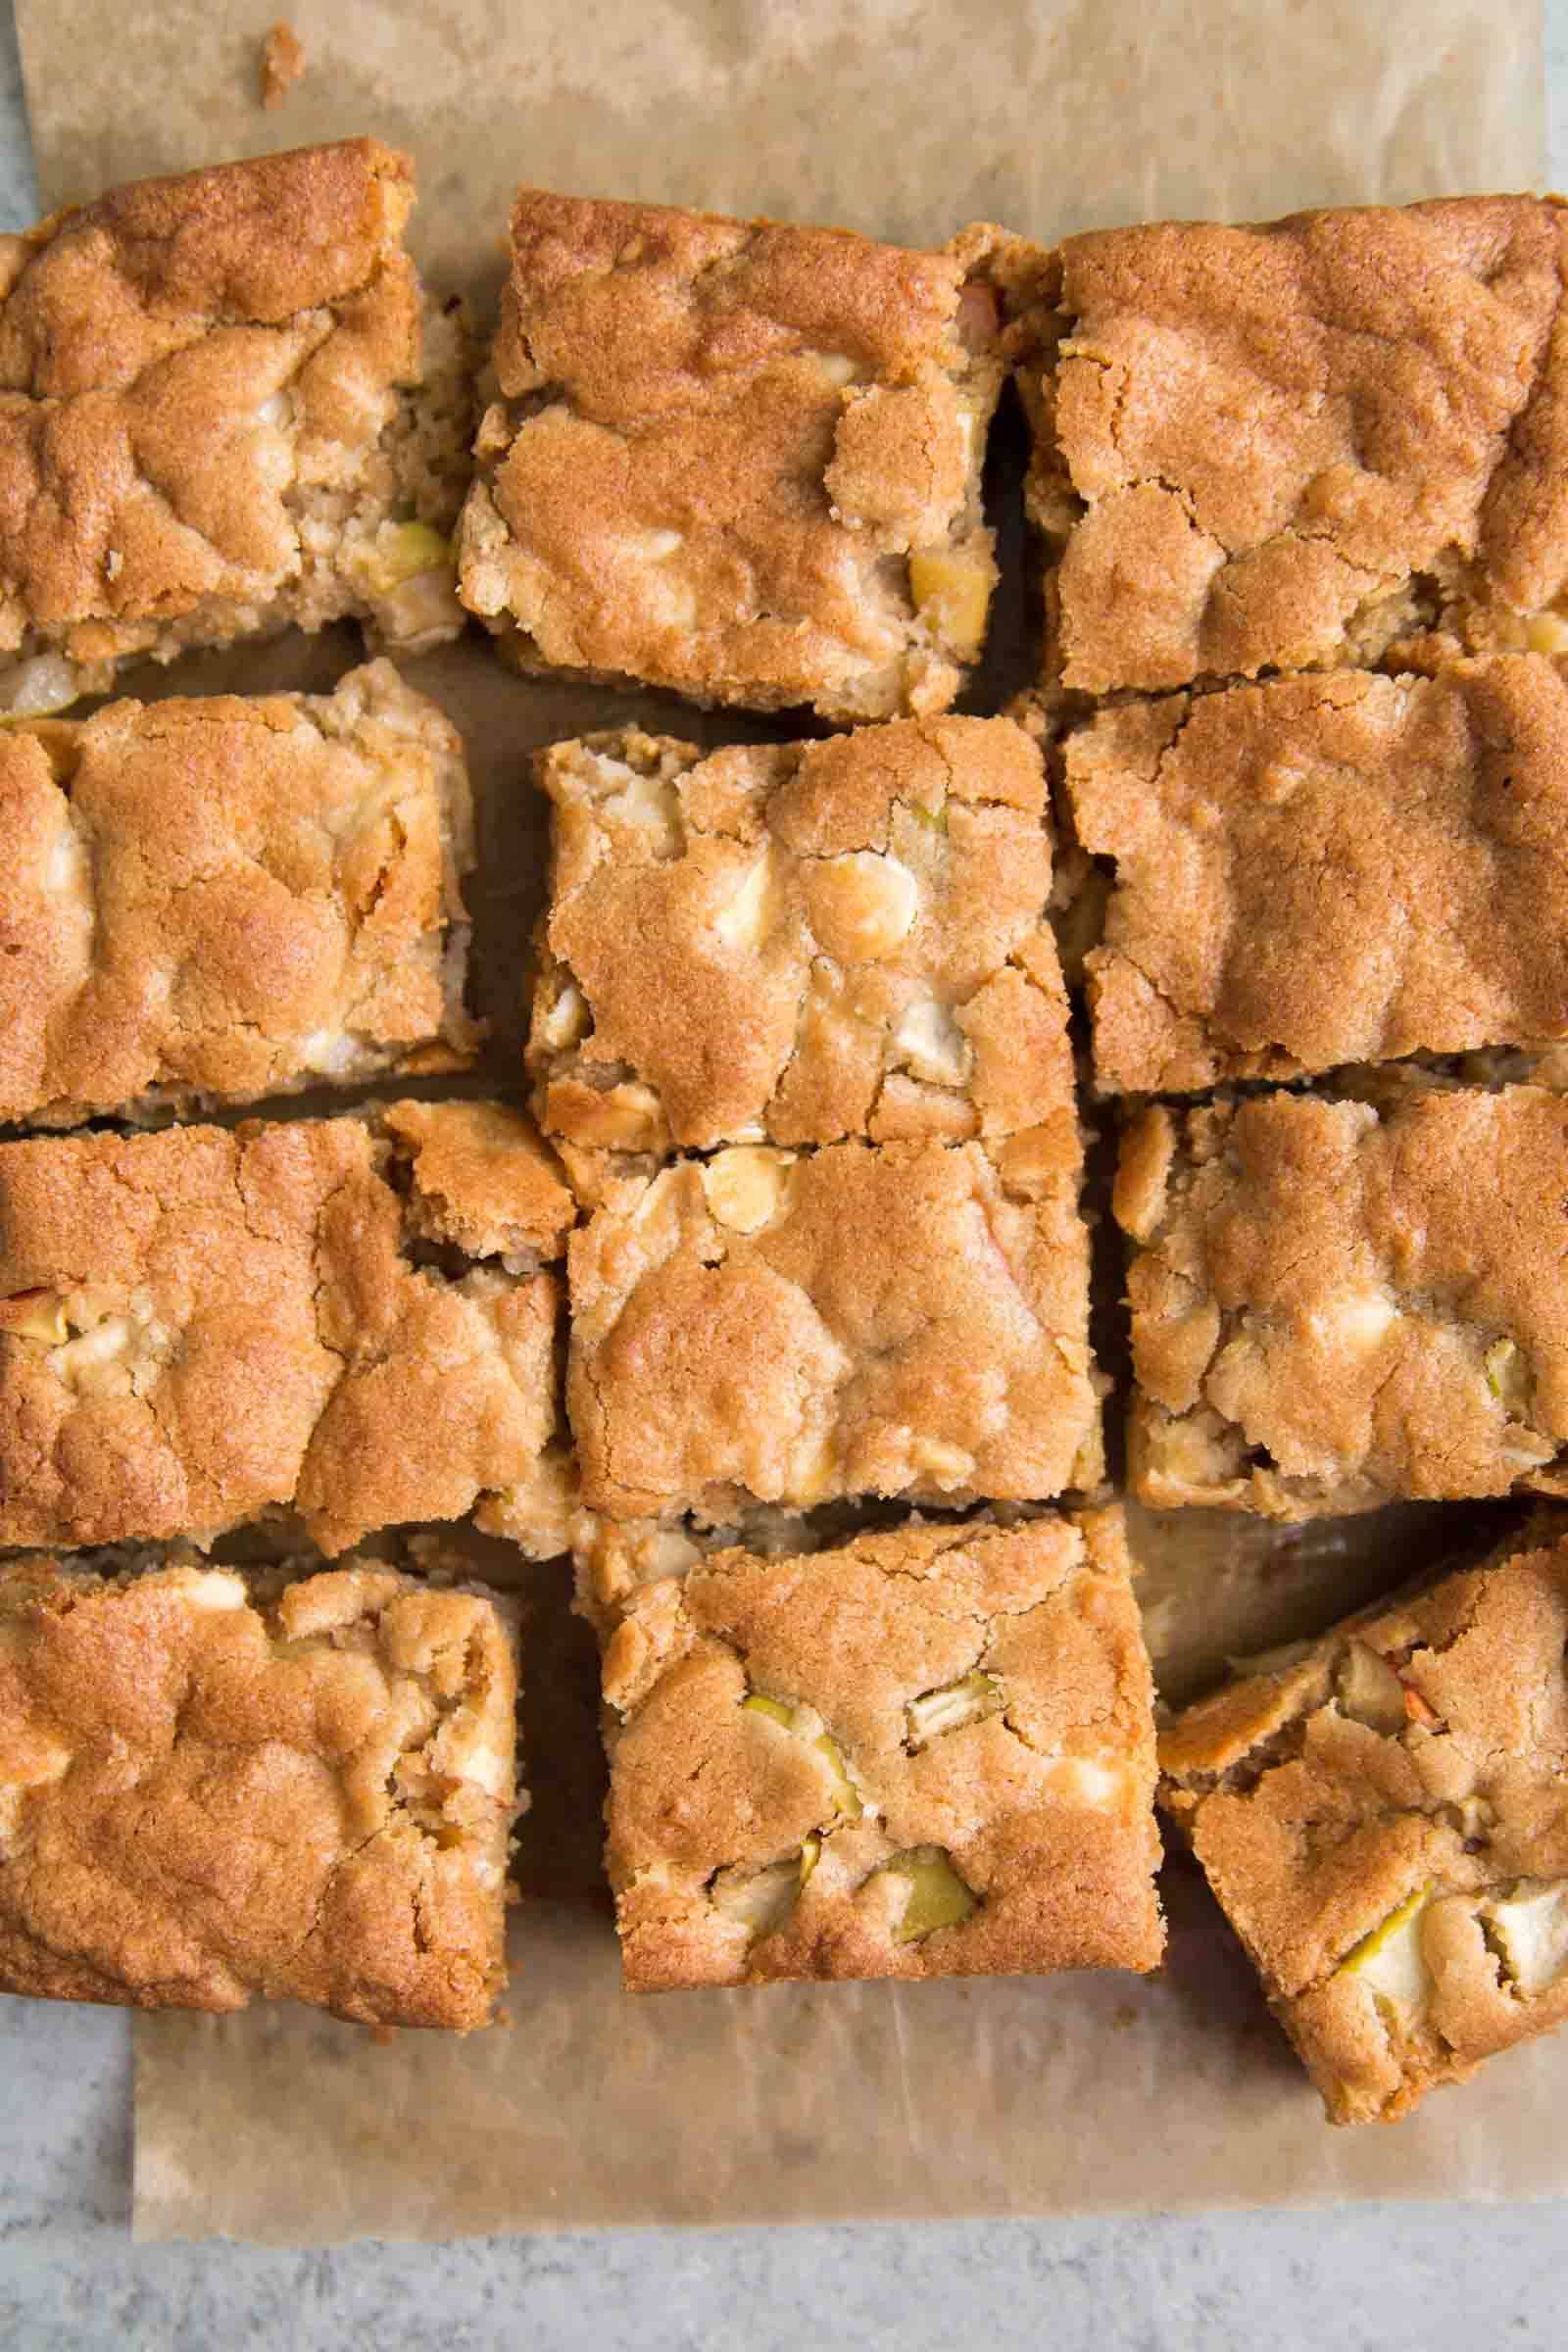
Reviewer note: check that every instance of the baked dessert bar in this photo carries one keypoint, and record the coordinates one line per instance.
(1335, 1304)
(775, 1327)
(211, 899)
(927, 1753)
(794, 943)
(216, 1787)
(737, 458)
(347, 1318)
(1383, 1821)
(225, 407)
(1327, 869)
(1308, 445)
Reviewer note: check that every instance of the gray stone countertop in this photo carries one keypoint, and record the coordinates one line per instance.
(1367, 2279)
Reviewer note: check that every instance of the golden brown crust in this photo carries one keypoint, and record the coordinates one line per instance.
(1416, 1756)
(211, 899)
(196, 1326)
(1332, 1309)
(213, 398)
(1026, 1766)
(737, 458)
(904, 1318)
(210, 1794)
(1297, 445)
(1327, 869)
(799, 942)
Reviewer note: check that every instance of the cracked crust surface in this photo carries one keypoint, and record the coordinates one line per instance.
(200, 1325)
(220, 405)
(1417, 1755)
(892, 1319)
(797, 942)
(213, 1790)
(740, 459)
(1334, 1309)
(1296, 446)
(210, 900)
(974, 1698)
(1325, 870)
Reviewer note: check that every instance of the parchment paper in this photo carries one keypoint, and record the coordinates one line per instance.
(900, 116)
(837, 2102)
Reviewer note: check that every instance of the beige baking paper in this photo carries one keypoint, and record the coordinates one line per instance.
(899, 117)
(841, 2102)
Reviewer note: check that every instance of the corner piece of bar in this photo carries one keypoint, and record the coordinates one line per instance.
(218, 1786)
(1383, 1823)
(227, 409)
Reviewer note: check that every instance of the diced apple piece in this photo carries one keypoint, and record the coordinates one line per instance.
(760, 1899)
(1368, 1688)
(937, 1897)
(951, 1706)
(1390, 1961)
(1530, 1928)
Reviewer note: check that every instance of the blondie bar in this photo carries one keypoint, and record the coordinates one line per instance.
(1328, 869)
(348, 1318)
(928, 1753)
(737, 458)
(1384, 1824)
(786, 1327)
(208, 900)
(794, 943)
(1296, 446)
(216, 1786)
(1335, 1304)
(225, 407)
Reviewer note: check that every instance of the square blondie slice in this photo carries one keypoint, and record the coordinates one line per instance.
(227, 408)
(349, 1319)
(895, 1319)
(1337, 1303)
(208, 901)
(1326, 871)
(1383, 1821)
(795, 943)
(737, 458)
(1311, 444)
(929, 1752)
(219, 1786)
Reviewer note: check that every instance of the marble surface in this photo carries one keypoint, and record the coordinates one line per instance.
(1369, 2278)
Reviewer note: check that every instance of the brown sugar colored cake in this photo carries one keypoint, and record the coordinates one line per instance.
(226, 409)
(1306, 445)
(1384, 1823)
(216, 1787)
(737, 458)
(832, 939)
(1327, 869)
(894, 1319)
(928, 1753)
(214, 899)
(345, 1318)
(1336, 1305)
